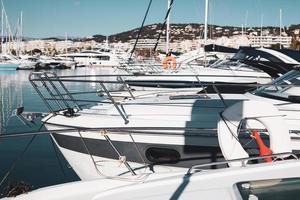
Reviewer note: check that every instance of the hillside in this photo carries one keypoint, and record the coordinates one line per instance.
(192, 31)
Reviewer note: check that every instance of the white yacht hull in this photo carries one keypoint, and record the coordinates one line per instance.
(188, 147)
(250, 182)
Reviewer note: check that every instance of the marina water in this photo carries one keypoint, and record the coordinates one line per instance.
(32, 159)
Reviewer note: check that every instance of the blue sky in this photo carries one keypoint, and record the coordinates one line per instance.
(43, 18)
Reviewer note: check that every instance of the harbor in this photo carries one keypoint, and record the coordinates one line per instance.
(169, 109)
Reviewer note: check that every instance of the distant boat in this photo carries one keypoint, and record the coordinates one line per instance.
(93, 58)
(8, 63)
(8, 66)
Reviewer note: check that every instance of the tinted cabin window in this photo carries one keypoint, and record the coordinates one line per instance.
(288, 188)
(159, 155)
(103, 57)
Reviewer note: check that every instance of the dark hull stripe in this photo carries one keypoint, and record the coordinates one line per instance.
(237, 88)
(189, 155)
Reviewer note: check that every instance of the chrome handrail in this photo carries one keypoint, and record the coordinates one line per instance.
(242, 160)
(48, 78)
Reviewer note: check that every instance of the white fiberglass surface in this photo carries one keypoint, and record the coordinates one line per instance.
(282, 87)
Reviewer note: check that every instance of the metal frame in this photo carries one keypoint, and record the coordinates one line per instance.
(242, 160)
(62, 97)
(104, 133)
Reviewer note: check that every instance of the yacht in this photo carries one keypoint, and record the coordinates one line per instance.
(190, 61)
(243, 177)
(8, 62)
(93, 58)
(28, 62)
(263, 181)
(248, 65)
(171, 129)
(56, 62)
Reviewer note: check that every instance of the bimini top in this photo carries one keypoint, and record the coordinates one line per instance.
(218, 48)
(274, 62)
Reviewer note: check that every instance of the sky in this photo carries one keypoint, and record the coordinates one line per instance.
(46, 18)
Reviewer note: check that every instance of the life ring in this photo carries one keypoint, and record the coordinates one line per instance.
(258, 115)
(169, 61)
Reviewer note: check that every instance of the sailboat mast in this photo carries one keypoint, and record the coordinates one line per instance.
(242, 30)
(261, 29)
(205, 22)
(168, 29)
(66, 43)
(21, 32)
(205, 29)
(280, 27)
(106, 42)
(2, 30)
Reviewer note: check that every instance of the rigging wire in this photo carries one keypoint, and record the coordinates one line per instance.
(14, 164)
(163, 25)
(140, 30)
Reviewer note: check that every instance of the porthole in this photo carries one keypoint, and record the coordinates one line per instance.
(162, 155)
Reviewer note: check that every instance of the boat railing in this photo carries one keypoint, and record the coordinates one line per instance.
(57, 97)
(243, 161)
(138, 173)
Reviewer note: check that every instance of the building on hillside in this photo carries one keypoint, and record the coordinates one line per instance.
(149, 43)
(268, 41)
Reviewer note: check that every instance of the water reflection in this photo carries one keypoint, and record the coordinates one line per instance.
(10, 93)
(42, 164)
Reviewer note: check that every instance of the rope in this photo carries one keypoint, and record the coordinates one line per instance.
(140, 31)
(163, 26)
(233, 135)
(16, 160)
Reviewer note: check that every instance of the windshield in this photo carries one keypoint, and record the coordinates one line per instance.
(235, 65)
(282, 87)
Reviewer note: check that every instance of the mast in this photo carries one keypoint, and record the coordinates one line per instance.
(205, 30)
(2, 30)
(242, 30)
(106, 42)
(66, 43)
(280, 26)
(205, 22)
(21, 32)
(168, 29)
(246, 21)
(261, 29)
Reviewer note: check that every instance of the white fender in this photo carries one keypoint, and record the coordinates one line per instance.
(265, 113)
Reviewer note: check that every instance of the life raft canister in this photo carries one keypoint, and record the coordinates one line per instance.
(169, 61)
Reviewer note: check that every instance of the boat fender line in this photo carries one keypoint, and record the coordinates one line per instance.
(263, 149)
(169, 61)
(259, 115)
